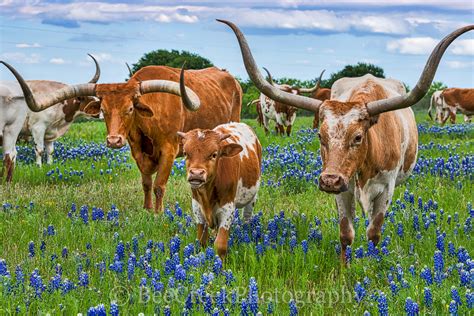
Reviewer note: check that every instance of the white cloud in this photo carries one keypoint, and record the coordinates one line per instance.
(412, 45)
(455, 64)
(26, 45)
(58, 61)
(21, 58)
(101, 57)
(463, 47)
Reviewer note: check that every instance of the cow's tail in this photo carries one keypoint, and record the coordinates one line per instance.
(431, 104)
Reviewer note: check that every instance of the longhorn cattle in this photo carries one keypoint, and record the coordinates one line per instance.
(45, 127)
(441, 109)
(368, 136)
(12, 115)
(223, 168)
(321, 94)
(459, 99)
(147, 111)
(258, 108)
(48, 125)
(284, 115)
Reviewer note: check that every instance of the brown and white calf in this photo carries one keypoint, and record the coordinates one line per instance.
(223, 168)
(368, 135)
(459, 99)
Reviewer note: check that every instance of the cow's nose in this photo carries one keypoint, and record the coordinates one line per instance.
(115, 141)
(332, 183)
(196, 177)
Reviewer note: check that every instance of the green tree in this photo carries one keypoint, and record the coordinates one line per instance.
(173, 58)
(424, 103)
(357, 70)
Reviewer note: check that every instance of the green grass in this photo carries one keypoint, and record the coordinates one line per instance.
(317, 281)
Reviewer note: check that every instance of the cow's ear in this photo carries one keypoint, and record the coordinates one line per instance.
(92, 108)
(230, 150)
(181, 137)
(143, 110)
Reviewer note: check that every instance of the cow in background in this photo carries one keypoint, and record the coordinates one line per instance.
(284, 115)
(459, 99)
(441, 109)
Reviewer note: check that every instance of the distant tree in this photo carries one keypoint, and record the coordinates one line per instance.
(357, 70)
(173, 58)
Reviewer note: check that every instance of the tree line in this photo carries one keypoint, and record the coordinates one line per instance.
(175, 58)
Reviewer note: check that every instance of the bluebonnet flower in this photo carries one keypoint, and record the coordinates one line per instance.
(229, 277)
(50, 230)
(469, 299)
(84, 279)
(114, 309)
(208, 303)
(453, 308)
(412, 270)
(394, 288)
(19, 276)
(438, 266)
(36, 282)
(64, 253)
(67, 286)
(180, 273)
(304, 245)
(440, 242)
(411, 307)
(293, 308)
(98, 310)
(253, 296)
(426, 275)
(217, 266)
(293, 243)
(244, 307)
(3, 268)
(31, 249)
(428, 297)
(382, 304)
(348, 255)
(120, 250)
(84, 213)
(360, 292)
(270, 307)
(117, 265)
(167, 311)
(455, 295)
(400, 229)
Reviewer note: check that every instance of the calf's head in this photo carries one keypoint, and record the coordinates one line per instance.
(202, 150)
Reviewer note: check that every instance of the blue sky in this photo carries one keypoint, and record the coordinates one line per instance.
(293, 38)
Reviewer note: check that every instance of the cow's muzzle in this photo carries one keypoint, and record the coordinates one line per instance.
(332, 183)
(197, 177)
(115, 141)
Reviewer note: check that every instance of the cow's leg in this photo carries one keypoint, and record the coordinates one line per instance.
(165, 164)
(265, 124)
(346, 208)
(147, 184)
(248, 210)
(10, 135)
(467, 118)
(202, 231)
(38, 132)
(452, 117)
(288, 130)
(377, 213)
(49, 147)
(225, 216)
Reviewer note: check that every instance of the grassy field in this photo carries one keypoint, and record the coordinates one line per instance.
(73, 236)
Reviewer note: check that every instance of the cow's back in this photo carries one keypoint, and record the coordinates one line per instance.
(220, 95)
(12, 103)
(461, 98)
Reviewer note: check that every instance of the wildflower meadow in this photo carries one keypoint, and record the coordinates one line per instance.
(75, 238)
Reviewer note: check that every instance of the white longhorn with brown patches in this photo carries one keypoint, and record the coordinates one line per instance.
(223, 168)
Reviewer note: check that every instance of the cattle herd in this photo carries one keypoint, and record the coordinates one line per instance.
(367, 131)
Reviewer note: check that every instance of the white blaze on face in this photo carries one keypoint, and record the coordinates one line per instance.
(338, 124)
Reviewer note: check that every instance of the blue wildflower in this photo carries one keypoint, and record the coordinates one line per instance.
(293, 308)
(382, 304)
(411, 307)
(360, 292)
(428, 297)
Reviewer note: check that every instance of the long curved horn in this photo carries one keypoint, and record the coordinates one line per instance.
(130, 72)
(253, 102)
(423, 84)
(189, 97)
(97, 70)
(316, 87)
(262, 85)
(41, 102)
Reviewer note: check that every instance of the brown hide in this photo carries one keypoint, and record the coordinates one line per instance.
(462, 99)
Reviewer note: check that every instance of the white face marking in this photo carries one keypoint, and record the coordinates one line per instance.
(201, 135)
(334, 123)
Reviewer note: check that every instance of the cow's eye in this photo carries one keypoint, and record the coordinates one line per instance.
(357, 139)
(213, 156)
(130, 110)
